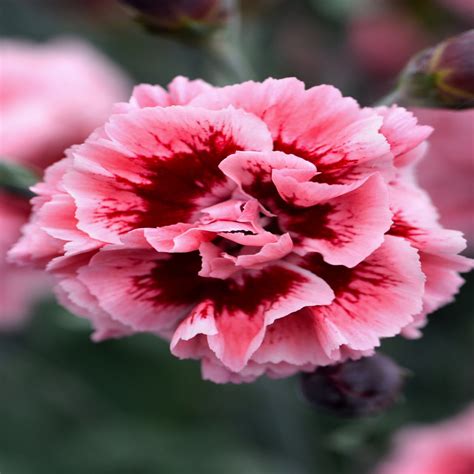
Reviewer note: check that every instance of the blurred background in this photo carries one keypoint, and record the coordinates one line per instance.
(68, 405)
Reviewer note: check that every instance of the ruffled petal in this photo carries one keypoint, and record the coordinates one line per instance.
(416, 219)
(180, 91)
(346, 229)
(142, 289)
(319, 125)
(158, 167)
(234, 320)
(217, 263)
(72, 294)
(402, 131)
(252, 172)
(443, 282)
(293, 340)
(375, 299)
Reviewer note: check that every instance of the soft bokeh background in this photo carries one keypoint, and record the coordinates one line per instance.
(127, 406)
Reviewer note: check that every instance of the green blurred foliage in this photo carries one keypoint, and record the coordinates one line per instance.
(16, 179)
(68, 405)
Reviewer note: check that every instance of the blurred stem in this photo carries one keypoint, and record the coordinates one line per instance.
(393, 97)
(227, 63)
(226, 60)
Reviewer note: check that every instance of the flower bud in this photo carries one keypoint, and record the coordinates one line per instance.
(442, 76)
(189, 17)
(355, 388)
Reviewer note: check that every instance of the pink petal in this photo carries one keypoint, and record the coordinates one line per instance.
(309, 193)
(182, 90)
(318, 125)
(146, 95)
(233, 210)
(376, 299)
(402, 131)
(216, 263)
(214, 370)
(37, 246)
(346, 229)
(416, 219)
(152, 154)
(275, 101)
(252, 171)
(188, 237)
(142, 289)
(235, 318)
(442, 284)
(72, 294)
(293, 340)
(268, 252)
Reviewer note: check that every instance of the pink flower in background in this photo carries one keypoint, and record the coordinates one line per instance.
(58, 92)
(447, 171)
(51, 96)
(262, 228)
(446, 448)
(383, 42)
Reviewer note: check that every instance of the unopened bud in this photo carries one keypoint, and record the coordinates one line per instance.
(442, 76)
(181, 17)
(355, 388)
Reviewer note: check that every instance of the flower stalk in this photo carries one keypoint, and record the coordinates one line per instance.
(210, 26)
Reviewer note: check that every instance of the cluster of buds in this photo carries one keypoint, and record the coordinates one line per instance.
(442, 76)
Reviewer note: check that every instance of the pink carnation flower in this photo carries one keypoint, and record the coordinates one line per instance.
(447, 448)
(262, 228)
(447, 171)
(44, 89)
(43, 92)
(383, 42)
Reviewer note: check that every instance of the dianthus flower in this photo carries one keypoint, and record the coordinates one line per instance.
(262, 228)
(445, 448)
(43, 91)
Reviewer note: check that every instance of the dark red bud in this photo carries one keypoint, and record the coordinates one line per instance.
(193, 17)
(355, 388)
(442, 76)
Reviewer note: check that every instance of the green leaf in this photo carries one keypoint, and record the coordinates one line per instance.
(16, 178)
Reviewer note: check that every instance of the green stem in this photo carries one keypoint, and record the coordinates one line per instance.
(391, 98)
(227, 61)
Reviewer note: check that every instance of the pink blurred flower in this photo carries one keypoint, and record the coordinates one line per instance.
(446, 448)
(44, 89)
(383, 42)
(261, 227)
(447, 170)
(51, 96)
